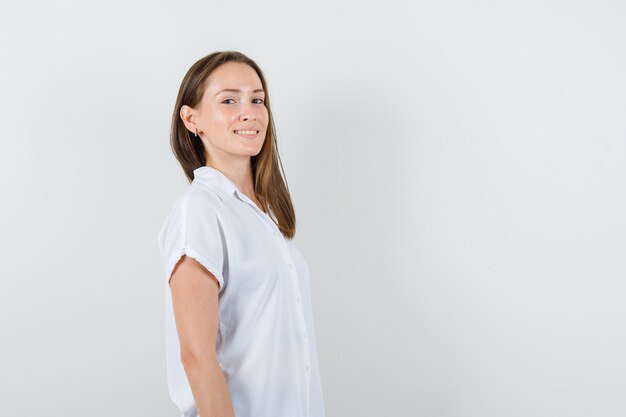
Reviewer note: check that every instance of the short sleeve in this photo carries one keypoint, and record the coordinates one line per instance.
(192, 228)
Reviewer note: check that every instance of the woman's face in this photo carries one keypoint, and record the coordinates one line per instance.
(233, 101)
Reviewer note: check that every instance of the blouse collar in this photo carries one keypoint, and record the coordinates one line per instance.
(216, 180)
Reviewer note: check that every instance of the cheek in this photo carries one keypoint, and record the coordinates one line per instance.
(266, 116)
(223, 118)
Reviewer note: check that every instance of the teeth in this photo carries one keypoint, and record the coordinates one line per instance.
(247, 132)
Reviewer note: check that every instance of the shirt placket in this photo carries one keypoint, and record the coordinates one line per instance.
(297, 293)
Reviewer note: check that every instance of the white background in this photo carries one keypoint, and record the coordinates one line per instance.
(457, 168)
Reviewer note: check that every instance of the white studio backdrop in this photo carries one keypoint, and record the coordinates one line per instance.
(458, 173)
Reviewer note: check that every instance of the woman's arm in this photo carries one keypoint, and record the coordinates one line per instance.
(195, 303)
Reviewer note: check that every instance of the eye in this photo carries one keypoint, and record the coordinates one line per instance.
(260, 100)
(227, 100)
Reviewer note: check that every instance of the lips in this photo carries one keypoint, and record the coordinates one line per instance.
(247, 133)
(249, 127)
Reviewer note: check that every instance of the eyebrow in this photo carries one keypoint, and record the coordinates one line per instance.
(235, 90)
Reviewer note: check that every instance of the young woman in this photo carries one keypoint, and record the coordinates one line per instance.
(239, 326)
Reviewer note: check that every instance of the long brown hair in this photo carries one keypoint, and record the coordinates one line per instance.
(270, 185)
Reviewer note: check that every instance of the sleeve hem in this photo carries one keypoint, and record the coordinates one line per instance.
(201, 259)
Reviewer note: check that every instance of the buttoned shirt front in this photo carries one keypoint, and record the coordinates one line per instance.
(266, 343)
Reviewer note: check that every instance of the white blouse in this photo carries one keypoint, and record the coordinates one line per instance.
(266, 343)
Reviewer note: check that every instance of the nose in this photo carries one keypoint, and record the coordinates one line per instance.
(248, 112)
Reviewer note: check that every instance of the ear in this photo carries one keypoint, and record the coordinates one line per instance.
(188, 116)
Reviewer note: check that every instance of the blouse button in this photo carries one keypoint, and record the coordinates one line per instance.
(298, 299)
(290, 266)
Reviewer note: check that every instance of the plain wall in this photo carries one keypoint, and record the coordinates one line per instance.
(457, 168)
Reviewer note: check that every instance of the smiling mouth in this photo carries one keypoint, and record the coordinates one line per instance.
(247, 133)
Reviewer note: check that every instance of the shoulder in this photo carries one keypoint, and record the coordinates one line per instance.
(196, 205)
(199, 202)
